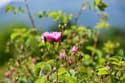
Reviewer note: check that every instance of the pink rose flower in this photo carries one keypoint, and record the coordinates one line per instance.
(7, 74)
(74, 49)
(52, 36)
(62, 55)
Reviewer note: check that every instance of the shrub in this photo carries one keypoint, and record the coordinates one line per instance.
(78, 57)
(72, 54)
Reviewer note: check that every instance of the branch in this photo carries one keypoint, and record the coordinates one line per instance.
(80, 12)
(29, 13)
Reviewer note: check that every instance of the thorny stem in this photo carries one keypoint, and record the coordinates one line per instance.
(77, 79)
(29, 14)
(56, 62)
(80, 12)
(27, 68)
(50, 73)
(77, 64)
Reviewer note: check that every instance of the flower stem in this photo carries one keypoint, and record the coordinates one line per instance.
(56, 47)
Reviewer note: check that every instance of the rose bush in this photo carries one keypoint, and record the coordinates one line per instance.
(74, 58)
(71, 54)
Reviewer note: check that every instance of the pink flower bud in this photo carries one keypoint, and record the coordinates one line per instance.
(7, 74)
(52, 36)
(71, 61)
(74, 49)
(62, 55)
(34, 60)
(15, 82)
(107, 67)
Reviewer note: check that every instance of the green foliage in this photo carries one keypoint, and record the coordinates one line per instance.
(89, 64)
(41, 80)
(42, 14)
(58, 16)
(102, 71)
(102, 24)
(15, 10)
(100, 4)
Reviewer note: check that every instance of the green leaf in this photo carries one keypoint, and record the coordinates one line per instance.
(40, 80)
(101, 60)
(64, 19)
(14, 36)
(91, 48)
(70, 80)
(115, 63)
(56, 15)
(102, 24)
(121, 52)
(81, 28)
(41, 14)
(61, 71)
(38, 67)
(50, 62)
(114, 59)
(89, 33)
(22, 80)
(9, 8)
(102, 71)
(100, 4)
(87, 60)
(69, 17)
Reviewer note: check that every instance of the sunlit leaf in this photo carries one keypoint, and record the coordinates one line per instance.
(100, 4)
(102, 71)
